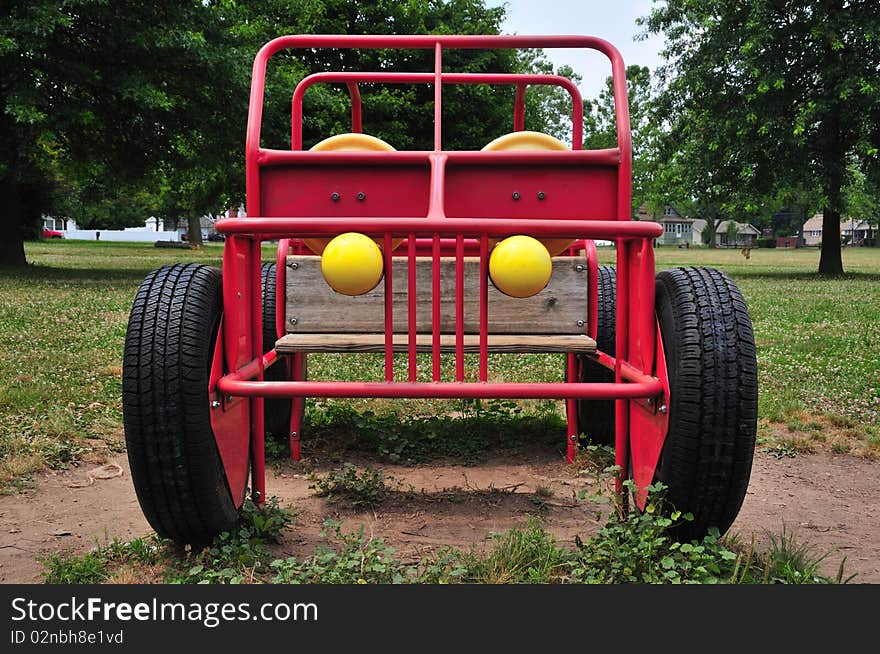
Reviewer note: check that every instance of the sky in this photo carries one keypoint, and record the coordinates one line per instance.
(612, 20)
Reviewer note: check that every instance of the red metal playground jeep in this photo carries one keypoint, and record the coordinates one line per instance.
(438, 251)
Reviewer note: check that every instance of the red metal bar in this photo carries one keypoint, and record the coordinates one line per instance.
(298, 366)
(621, 408)
(521, 80)
(230, 385)
(435, 308)
(459, 309)
(269, 157)
(411, 305)
(438, 97)
(268, 228)
(571, 412)
(281, 284)
(484, 308)
(592, 288)
(389, 311)
(519, 108)
(356, 117)
(435, 42)
(258, 457)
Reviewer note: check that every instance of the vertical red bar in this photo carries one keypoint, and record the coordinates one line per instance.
(519, 108)
(356, 119)
(459, 307)
(389, 311)
(484, 307)
(296, 413)
(571, 410)
(281, 285)
(258, 454)
(438, 96)
(435, 308)
(411, 303)
(592, 288)
(621, 407)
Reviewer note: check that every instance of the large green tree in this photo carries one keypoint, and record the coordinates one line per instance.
(600, 128)
(773, 94)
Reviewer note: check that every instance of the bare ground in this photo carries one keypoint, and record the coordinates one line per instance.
(827, 500)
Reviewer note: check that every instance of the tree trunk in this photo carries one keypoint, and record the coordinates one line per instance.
(830, 261)
(11, 225)
(194, 230)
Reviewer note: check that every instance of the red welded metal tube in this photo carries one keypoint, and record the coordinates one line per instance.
(231, 385)
(356, 117)
(389, 310)
(258, 457)
(484, 308)
(459, 309)
(421, 226)
(435, 308)
(411, 305)
(519, 108)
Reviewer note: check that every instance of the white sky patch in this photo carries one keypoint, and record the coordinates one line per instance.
(612, 20)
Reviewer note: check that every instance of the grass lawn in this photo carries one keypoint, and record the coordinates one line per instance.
(62, 322)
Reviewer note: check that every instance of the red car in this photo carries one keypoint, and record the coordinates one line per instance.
(51, 233)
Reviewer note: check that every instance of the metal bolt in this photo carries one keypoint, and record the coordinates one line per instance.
(239, 294)
(293, 434)
(580, 323)
(516, 195)
(215, 404)
(362, 196)
(650, 401)
(662, 408)
(541, 195)
(573, 438)
(334, 196)
(293, 321)
(579, 268)
(294, 265)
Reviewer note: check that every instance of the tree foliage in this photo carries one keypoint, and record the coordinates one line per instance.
(112, 111)
(770, 95)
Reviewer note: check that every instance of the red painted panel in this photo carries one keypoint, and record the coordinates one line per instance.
(389, 191)
(570, 192)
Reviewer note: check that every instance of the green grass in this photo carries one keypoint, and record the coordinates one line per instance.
(636, 548)
(63, 319)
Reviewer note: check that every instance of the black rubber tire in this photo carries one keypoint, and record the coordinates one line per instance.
(596, 417)
(276, 411)
(175, 465)
(713, 375)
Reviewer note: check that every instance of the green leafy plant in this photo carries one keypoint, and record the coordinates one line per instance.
(361, 489)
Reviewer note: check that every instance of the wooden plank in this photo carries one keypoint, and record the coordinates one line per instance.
(317, 308)
(497, 343)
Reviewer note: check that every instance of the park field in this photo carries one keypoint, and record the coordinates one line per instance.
(63, 320)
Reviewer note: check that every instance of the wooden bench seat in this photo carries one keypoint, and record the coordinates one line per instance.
(497, 343)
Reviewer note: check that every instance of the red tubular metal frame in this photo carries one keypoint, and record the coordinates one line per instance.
(434, 234)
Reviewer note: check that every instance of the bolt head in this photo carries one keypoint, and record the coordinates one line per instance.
(662, 408)
(580, 323)
(579, 268)
(294, 265)
(334, 196)
(215, 404)
(361, 196)
(541, 195)
(573, 438)
(516, 195)
(292, 321)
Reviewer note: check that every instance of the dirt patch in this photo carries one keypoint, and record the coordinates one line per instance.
(827, 500)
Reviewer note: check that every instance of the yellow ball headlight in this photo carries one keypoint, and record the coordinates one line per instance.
(520, 266)
(352, 264)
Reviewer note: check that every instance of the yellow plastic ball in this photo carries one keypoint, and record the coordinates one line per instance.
(520, 266)
(352, 264)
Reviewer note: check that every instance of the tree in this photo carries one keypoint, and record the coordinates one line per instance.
(601, 127)
(779, 94)
(95, 93)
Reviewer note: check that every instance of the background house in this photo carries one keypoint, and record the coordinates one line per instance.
(853, 231)
(745, 235)
(677, 229)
